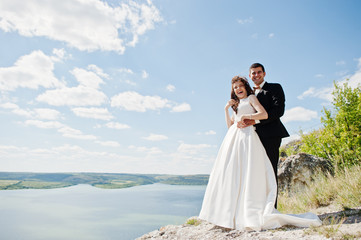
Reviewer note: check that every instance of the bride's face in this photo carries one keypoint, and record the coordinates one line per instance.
(240, 90)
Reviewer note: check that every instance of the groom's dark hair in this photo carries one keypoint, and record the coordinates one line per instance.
(256, 65)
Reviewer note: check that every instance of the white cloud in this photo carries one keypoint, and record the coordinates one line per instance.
(36, 70)
(149, 151)
(98, 71)
(85, 94)
(60, 54)
(184, 107)
(145, 74)
(245, 21)
(117, 125)
(319, 75)
(86, 25)
(87, 78)
(75, 96)
(342, 62)
(290, 139)
(172, 22)
(46, 113)
(29, 71)
(37, 113)
(133, 101)
(96, 113)
(65, 158)
(130, 82)
(108, 143)
(299, 114)
(126, 70)
(271, 35)
(127, 74)
(44, 124)
(190, 150)
(359, 63)
(325, 93)
(66, 131)
(170, 88)
(355, 79)
(16, 109)
(74, 133)
(342, 73)
(9, 105)
(155, 137)
(210, 132)
(322, 93)
(23, 112)
(308, 92)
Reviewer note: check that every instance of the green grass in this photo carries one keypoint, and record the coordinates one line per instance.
(193, 221)
(343, 190)
(117, 184)
(331, 230)
(6, 183)
(15, 184)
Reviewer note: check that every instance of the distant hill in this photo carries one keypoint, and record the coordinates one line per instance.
(17, 180)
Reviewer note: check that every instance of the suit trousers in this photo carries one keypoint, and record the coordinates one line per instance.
(272, 147)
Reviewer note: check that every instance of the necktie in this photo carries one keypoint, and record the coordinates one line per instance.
(256, 88)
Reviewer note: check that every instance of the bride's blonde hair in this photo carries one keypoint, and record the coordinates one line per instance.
(233, 94)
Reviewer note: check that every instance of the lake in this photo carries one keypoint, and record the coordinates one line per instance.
(89, 213)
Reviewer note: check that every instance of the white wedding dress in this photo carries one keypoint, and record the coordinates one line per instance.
(242, 188)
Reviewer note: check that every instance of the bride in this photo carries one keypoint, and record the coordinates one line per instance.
(242, 188)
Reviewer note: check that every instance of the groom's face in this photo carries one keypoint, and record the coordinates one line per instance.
(257, 75)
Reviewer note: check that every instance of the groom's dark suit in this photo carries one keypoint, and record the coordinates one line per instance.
(271, 130)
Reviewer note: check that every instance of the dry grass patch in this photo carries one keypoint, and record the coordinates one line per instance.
(343, 189)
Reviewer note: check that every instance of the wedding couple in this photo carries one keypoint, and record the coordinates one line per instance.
(242, 189)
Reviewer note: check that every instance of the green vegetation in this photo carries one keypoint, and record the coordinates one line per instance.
(9, 181)
(193, 221)
(331, 230)
(339, 140)
(5, 183)
(343, 189)
(200, 179)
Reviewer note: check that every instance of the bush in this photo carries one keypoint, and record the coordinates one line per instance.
(339, 140)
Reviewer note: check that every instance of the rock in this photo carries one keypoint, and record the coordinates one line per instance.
(297, 171)
(349, 226)
(208, 231)
(291, 147)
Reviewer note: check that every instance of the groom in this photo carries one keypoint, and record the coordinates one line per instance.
(271, 130)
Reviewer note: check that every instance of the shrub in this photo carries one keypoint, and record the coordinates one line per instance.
(339, 140)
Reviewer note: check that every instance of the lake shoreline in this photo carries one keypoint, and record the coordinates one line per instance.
(14, 181)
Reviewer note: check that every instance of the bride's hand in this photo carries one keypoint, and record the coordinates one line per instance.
(241, 124)
(245, 121)
(230, 103)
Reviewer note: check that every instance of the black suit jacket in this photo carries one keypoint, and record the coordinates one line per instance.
(272, 98)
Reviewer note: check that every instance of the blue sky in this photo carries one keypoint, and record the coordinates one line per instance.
(140, 86)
